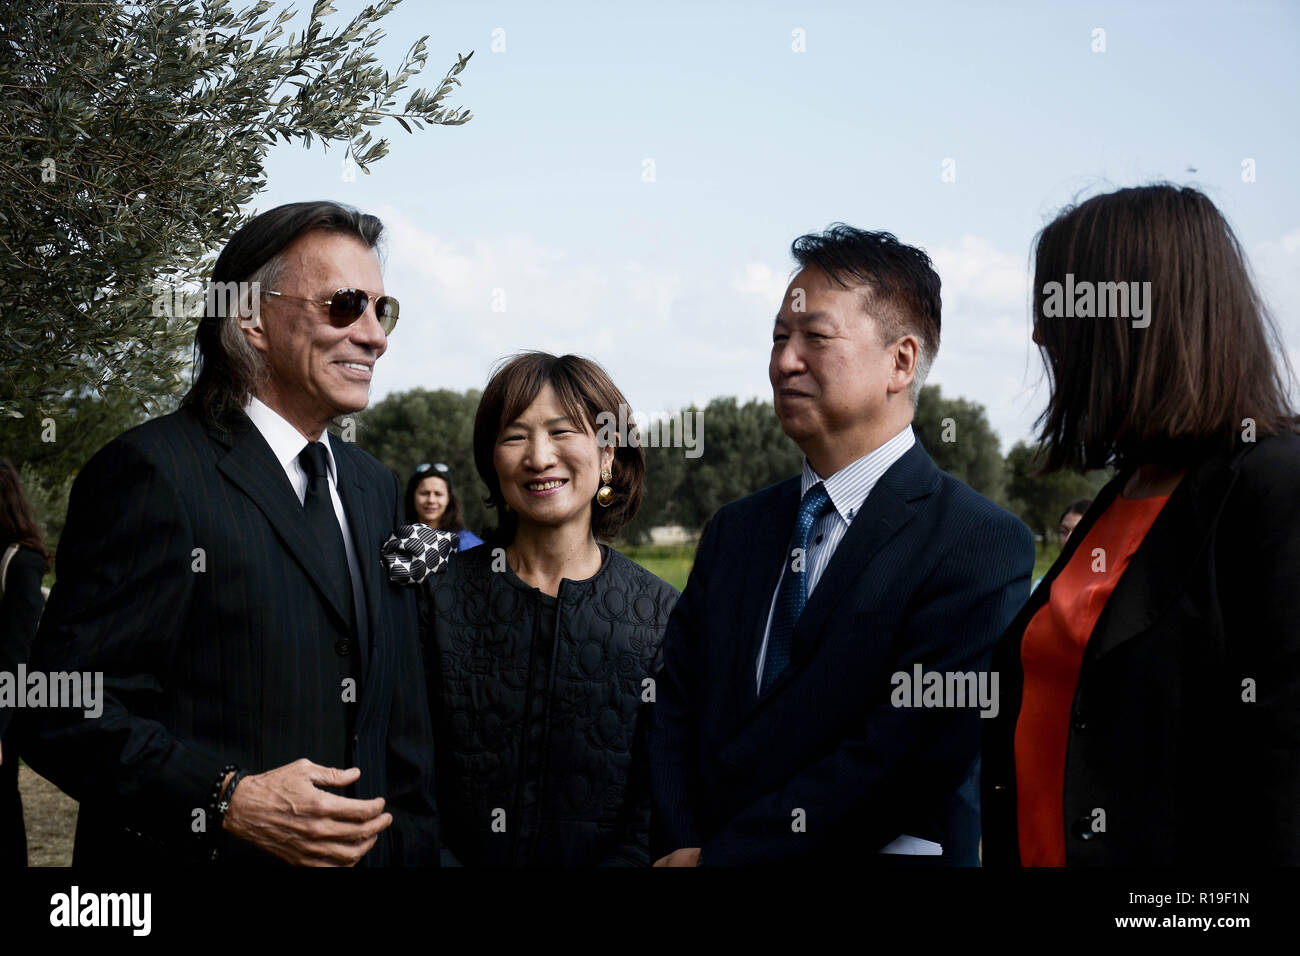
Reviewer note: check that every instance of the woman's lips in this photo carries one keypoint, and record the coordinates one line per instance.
(553, 485)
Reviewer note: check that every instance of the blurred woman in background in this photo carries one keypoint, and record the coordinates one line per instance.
(431, 500)
(1151, 685)
(23, 563)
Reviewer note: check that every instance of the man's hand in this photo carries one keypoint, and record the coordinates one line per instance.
(284, 813)
(689, 856)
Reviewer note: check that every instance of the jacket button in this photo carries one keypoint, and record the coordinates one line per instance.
(1083, 828)
(1080, 720)
(343, 647)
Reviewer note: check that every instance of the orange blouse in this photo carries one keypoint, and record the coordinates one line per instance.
(1051, 654)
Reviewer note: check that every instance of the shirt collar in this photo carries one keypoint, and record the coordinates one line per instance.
(286, 441)
(848, 488)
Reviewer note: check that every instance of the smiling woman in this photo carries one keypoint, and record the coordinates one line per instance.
(540, 649)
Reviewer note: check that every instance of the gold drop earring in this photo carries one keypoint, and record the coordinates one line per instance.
(605, 496)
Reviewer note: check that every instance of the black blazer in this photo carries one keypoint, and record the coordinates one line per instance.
(928, 573)
(1185, 770)
(186, 575)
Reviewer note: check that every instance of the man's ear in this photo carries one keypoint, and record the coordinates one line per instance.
(907, 354)
(251, 323)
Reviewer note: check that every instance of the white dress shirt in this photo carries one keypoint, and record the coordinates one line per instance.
(848, 489)
(287, 444)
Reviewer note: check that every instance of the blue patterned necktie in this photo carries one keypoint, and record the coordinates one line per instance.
(793, 592)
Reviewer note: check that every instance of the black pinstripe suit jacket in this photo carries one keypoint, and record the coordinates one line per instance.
(187, 576)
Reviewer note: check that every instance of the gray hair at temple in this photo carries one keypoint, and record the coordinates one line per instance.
(228, 369)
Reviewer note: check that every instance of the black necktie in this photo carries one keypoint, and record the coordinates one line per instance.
(319, 511)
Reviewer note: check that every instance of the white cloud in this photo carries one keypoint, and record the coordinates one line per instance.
(666, 338)
(986, 354)
(1276, 263)
(763, 283)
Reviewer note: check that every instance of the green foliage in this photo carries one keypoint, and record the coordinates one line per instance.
(671, 562)
(1040, 499)
(744, 449)
(131, 136)
(51, 449)
(410, 428)
(957, 434)
(49, 500)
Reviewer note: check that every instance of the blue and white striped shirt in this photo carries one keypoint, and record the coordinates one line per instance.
(848, 489)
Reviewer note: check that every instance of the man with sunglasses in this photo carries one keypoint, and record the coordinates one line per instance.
(220, 566)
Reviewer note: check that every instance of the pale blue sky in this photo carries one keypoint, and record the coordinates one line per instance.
(672, 284)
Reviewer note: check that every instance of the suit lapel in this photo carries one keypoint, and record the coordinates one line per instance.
(356, 505)
(886, 510)
(1160, 569)
(253, 468)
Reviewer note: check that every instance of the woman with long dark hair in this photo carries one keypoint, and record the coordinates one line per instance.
(23, 562)
(1151, 684)
(431, 500)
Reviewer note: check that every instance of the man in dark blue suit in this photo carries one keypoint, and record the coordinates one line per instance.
(826, 668)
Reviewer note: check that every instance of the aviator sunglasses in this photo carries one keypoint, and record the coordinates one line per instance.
(348, 305)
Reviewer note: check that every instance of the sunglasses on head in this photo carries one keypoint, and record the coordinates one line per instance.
(348, 305)
(439, 467)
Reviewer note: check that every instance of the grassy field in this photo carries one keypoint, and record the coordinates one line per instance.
(672, 562)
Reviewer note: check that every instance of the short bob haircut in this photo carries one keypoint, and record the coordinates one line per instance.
(584, 390)
(1181, 388)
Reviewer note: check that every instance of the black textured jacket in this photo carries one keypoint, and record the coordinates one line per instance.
(540, 710)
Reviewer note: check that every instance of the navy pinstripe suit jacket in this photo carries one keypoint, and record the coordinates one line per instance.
(928, 573)
(235, 653)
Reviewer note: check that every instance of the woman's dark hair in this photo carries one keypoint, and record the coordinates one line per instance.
(1204, 360)
(17, 522)
(450, 519)
(229, 369)
(904, 289)
(1079, 507)
(584, 391)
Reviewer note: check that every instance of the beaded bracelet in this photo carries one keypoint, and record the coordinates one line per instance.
(224, 803)
(214, 797)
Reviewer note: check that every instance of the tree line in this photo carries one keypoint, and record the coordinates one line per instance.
(743, 450)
